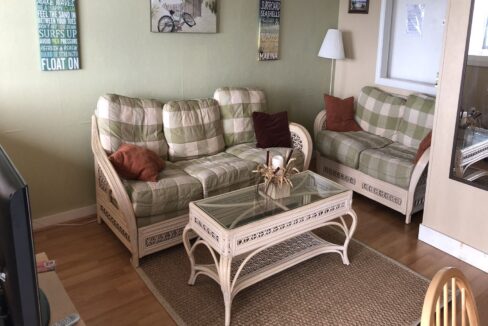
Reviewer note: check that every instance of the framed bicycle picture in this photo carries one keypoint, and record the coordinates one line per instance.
(358, 6)
(184, 16)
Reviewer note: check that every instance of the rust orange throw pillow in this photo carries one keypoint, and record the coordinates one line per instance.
(340, 114)
(424, 144)
(136, 163)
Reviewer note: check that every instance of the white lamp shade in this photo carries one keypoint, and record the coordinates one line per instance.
(332, 47)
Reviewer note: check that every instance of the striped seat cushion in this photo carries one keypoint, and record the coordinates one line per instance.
(172, 192)
(130, 120)
(345, 147)
(392, 164)
(193, 128)
(248, 151)
(221, 173)
(236, 108)
(417, 120)
(379, 112)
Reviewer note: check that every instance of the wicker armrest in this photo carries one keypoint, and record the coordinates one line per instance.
(109, 181)
(301, 140)
(319, 122)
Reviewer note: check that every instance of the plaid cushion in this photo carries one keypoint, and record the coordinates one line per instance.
(392, 164)
(417, 120)
(345, 147)
(130, 120)
(236, 108)
(221, 173)
(193, 128)
(379, 112)
(249, 152)
(173, 191)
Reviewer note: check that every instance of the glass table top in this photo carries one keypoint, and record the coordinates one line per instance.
(251, 204)
(472, 136)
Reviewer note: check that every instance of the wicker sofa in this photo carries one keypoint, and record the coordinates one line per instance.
(378, 162)
(209, 147)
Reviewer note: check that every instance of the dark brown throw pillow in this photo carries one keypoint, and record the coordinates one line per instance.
(272, 130)
(136, 163)
(424, 144)
(340, 114)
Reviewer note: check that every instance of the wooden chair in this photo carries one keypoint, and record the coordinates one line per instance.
(448, 284)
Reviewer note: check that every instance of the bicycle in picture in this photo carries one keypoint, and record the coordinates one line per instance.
(175, 17)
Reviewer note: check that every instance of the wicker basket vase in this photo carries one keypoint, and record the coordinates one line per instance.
(277, 191)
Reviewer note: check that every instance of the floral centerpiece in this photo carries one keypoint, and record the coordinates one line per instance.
(276, 172)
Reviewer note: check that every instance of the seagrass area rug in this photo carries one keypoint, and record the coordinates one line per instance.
(372, 290)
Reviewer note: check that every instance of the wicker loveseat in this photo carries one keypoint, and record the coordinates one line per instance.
(378, 161)
(210, 149)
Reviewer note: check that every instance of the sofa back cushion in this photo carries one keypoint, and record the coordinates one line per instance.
(125, 120)
(417, 120)
(379, 112)
(193, 128)
(236, 108)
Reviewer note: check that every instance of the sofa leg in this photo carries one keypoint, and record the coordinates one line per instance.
(134, 260)
(408, 218)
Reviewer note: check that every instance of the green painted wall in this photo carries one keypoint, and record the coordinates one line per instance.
(45, 116)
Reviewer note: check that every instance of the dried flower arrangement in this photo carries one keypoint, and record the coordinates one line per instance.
(276, 172)
(470, 119)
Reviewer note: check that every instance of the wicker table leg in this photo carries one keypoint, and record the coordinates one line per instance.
(189, 251)
(224, 268)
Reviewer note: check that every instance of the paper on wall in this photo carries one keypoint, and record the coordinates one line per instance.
(415, 19)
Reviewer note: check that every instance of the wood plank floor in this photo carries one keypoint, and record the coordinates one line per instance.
(94, 266)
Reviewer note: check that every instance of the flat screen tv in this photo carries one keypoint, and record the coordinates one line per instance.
(20, 297)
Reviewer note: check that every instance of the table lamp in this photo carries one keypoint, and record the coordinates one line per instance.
(332, 48)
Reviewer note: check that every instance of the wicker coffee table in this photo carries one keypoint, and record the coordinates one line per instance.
(472, 147)
(251, 236)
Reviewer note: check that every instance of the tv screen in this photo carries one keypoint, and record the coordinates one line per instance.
(18, 285)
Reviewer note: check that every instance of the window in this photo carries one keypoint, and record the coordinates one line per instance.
(410, 44)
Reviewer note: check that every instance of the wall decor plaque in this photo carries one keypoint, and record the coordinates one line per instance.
(269, 29)
(58, 34)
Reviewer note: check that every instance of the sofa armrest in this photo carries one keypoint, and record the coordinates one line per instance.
(319, 123)
(417, 174)
(110, 182)
(419, 169)
(301, 140)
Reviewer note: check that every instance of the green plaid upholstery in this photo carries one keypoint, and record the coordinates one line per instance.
(236, 108)
(392, 164)
(193, 128)
(379, 112)
(345, 147)
(173, 191)
(249, 152)
(130, 120)
(417, 120)
(220, 173)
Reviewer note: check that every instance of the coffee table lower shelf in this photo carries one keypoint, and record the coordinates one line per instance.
(251, 268)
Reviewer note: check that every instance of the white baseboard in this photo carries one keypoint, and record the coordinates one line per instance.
(462, 251)
(63, 217)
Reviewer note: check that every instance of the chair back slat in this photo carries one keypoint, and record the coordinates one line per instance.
(453, 296)
(438, 312)
(463, 309)
(445, 304)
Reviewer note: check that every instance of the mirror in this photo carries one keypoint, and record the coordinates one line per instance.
(469, 163)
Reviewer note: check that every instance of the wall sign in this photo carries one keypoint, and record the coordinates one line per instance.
(58, 35)
(269, 29)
